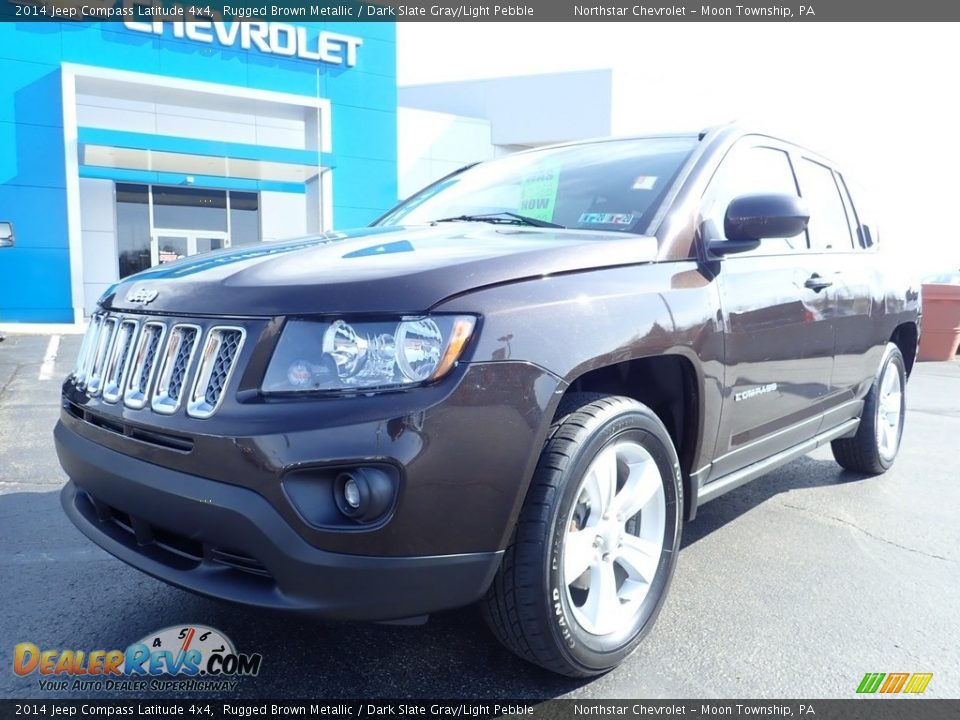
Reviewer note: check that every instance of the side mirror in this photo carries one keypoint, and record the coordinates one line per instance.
(7, 238)
(752, 218)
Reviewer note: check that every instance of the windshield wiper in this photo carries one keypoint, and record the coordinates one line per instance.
(504, 216)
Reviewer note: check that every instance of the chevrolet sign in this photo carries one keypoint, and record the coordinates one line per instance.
(272, 38)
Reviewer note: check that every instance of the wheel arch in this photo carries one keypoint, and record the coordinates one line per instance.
(906, 336)
(669, 384)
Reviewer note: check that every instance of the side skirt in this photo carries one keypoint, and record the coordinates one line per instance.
(735, 479)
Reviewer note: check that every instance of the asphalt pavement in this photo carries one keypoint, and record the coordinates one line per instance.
(792, 586)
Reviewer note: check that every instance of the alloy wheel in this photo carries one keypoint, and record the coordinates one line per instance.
(614, 538)
(889, 412)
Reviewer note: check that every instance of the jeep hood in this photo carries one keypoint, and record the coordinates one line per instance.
(371, 270)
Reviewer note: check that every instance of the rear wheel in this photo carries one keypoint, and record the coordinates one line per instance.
(596, 542)
(874, 448)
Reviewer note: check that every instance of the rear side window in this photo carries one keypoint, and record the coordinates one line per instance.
(828, 228)
(747, 171)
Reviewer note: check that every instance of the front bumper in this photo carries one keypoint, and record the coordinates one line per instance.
(463, 449)
(228, 541)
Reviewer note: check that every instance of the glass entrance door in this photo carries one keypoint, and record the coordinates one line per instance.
(169, 245)
(158, 224)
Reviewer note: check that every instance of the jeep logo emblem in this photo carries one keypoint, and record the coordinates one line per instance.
(142, 296)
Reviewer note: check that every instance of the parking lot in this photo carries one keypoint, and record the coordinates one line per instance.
(792, 586)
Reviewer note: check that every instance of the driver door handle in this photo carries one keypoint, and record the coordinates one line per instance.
(817, 283)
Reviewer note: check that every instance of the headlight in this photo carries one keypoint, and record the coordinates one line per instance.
(316, 356)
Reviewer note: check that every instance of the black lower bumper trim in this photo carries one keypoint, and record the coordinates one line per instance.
(228, 542)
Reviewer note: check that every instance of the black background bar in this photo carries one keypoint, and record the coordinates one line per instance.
(872, 708)
(482, 10)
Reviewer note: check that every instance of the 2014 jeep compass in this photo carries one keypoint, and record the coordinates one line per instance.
(513, 388)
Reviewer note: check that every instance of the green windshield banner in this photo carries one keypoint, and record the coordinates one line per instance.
(538, 193)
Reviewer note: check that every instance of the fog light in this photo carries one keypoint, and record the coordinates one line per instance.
(364, 494)
(351, 493)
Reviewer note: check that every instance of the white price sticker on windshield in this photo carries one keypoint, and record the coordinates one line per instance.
(645, 182)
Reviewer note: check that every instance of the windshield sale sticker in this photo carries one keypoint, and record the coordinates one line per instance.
(538, 193)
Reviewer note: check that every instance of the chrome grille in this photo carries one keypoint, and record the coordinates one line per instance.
(98, 362)
(216, 366)
(174, 365)
(85, 357)
(150, 363)
(144, 363)
(229, 344)
(119, 361)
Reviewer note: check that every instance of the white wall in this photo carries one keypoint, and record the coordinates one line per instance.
(98, 230)
(282, 215)
(111, 113)
(530, 110)
(433, 144)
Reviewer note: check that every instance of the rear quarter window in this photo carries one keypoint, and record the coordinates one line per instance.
(864, 217)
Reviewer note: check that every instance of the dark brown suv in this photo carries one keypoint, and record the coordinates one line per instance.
(514, 388)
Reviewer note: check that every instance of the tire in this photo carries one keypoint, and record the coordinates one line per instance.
(874, 448)
(579, 628)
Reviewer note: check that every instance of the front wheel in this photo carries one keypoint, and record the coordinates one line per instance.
(874, 448)
(596, 542)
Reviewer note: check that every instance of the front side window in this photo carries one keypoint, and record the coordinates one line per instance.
(615, 185)
(750, 170)
(828, 227)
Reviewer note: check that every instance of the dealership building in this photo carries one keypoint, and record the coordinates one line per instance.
(127, 145)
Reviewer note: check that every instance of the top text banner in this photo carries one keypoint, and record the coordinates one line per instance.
(201, 11)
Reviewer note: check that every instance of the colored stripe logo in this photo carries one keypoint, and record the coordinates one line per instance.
(893, 683)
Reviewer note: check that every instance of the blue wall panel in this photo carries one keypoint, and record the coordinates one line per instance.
(35, 275)
(375, 145)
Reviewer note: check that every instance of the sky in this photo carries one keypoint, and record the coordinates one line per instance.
(879, 99)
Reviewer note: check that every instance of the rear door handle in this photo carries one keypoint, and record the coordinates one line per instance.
(817, 283)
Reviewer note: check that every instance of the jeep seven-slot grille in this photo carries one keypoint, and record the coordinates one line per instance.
(144, 362)
(98, 362)
(174, 364)
(119, 357)
(221, 366)
(151, 364)
(216, 365)
(180, 367)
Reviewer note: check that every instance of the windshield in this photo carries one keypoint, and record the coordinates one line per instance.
(612, 185)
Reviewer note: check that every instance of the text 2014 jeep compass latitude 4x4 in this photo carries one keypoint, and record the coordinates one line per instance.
(513, 389)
